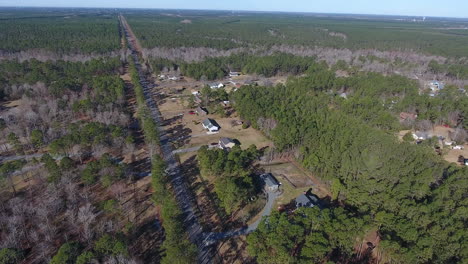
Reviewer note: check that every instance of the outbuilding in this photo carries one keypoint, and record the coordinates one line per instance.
(201, 111)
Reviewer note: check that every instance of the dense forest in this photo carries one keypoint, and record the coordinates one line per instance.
(414, 199)
(220, 30)
(62, 33)
(83, 178)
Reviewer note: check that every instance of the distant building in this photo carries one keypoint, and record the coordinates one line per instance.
(173, 78)
(420, 135)
(211, 125)
(201, 111)
(226, 143)
(436, 86)
(271, 184)
(216, 85)
(404, 116)
(307, 199)
(234, 74)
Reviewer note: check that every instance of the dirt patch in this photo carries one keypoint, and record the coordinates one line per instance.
(233, 251)
(453, 154)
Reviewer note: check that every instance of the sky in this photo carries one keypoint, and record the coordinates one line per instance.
(440, 8)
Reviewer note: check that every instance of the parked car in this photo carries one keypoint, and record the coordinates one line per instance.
(191, 112)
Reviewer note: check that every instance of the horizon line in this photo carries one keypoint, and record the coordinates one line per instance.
(236, 10)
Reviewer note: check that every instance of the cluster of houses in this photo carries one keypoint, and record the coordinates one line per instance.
(306, 199)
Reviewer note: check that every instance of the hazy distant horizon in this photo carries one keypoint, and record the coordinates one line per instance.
(416, 8)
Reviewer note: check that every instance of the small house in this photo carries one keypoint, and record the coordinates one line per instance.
(173, 78)
(458, 147)
(234, 74)
(226, 143)
(196, 93)
(216, 85)
(307, 199)
(210, 125)
(201, 111)
(270, 183)
(420, 136)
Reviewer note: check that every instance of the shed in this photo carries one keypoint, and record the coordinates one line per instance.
(201, 111)
(211, 125)
(271, 184)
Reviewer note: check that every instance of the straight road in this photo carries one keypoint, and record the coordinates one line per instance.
(204, 241)
(179, 185)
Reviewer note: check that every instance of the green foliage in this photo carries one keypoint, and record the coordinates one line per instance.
(178, 248)
(379, 176)
(11, 166)
(109, 245)
(232, 172)
(220, 30)
(105, 169)
(86, 134)
(408, 137)
(110, 206)
(61, 32)
(37, 138)
(66, 254)
(10, 256)
(52, 167)
(306, 236)
(13, 140)
(85, 258)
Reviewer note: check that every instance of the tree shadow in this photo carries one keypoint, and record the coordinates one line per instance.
(210, 214)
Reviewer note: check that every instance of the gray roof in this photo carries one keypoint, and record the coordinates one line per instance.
(200, 109)
(226, 141)
(208, 123)
(269, 180)
(305, 200)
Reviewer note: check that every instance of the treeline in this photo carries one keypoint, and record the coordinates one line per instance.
(61, 77)
(309, 235)
(221, 31)
(458, 71)
(217, 68)
(176, 245)
(403, 189)
(233, 174)
(62, 35)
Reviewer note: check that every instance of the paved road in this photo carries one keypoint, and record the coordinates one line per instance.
(204, 240)
(181, 189)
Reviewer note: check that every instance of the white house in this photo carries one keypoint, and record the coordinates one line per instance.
(211, 125)
(420, 136)
(234, 74)
(173, 78)
(459, 147)
(216, 85)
